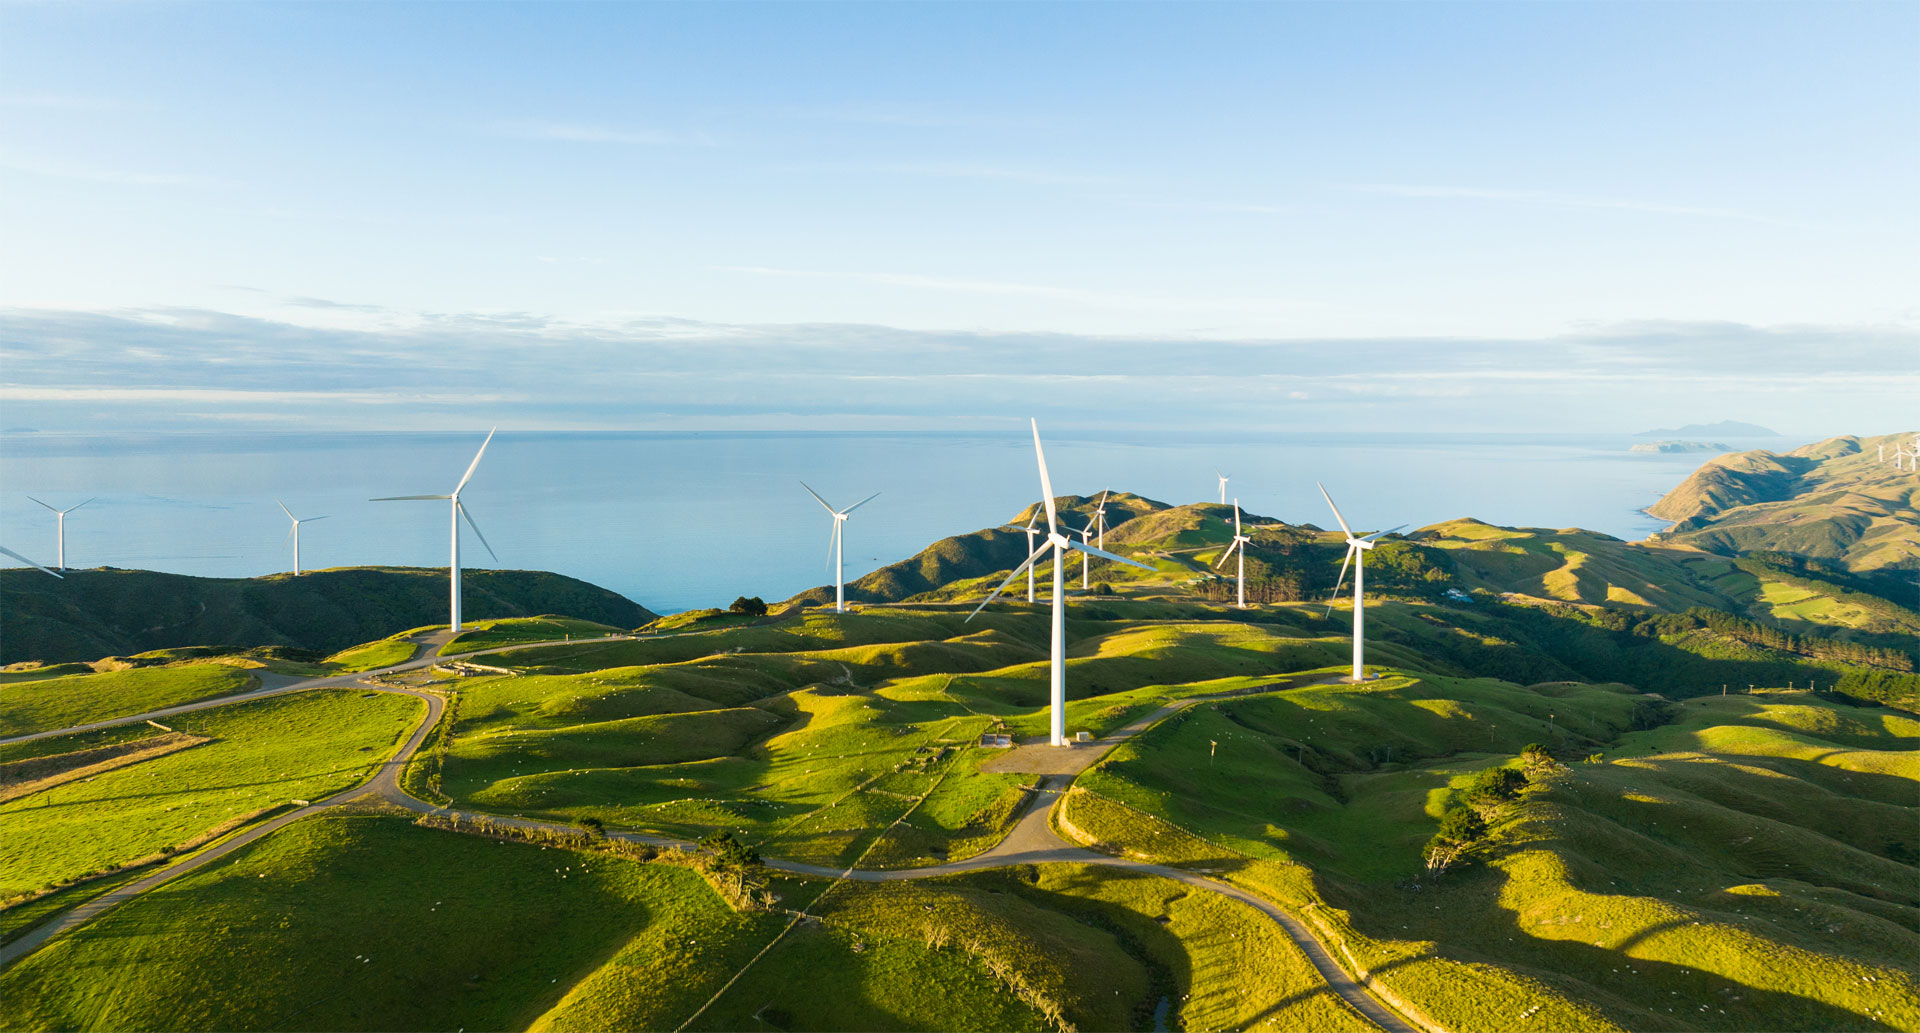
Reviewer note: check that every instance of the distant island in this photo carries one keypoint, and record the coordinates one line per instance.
(1681, 446)
(1725, 428)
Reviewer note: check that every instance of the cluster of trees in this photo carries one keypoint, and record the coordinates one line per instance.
(751, 605)
(1287, 586)
(1766, 636)
(1469, 812)
(734, 870)
(1554, 642)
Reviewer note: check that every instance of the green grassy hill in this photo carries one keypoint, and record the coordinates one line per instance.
(1745, 863)
(109, 612)
(1834, 500)
(974, 555)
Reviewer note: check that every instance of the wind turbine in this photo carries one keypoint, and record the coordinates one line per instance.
(1030, 531)
(294, 535)
(61, 514)
(29, 562)
(1100, 517)
(1059, 544)
(459, 514)
(836, 545)
(1223, 486)
(1356, 549)
(1239, 546)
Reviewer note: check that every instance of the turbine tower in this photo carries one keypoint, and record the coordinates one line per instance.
(836, 545)
(1058, 544)
(1357, 547)
(32, 564)
(459, 514)
(1029, 531)
(294, 535)
(61, 520)
(1223, 486)
(1239, 546)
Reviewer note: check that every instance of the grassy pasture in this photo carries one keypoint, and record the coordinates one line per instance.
(299, 746)
(43, 704)
(506, 631)
(372, 655)
(1745, 867)
(372, 923)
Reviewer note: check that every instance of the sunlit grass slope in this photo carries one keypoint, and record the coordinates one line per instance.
(1749, 866)
(266, 752)
(363, 923)
(44, 704)
(810, 736)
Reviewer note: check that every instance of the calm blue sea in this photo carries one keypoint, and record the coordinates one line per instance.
(681, 520)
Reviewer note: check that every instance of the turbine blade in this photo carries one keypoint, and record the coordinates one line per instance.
(833, 535)
(1034, 519)
(862, 502)
(1236, 518)
(30, 498)
(1336, 509)
(72, 508)
(1094, 550)
(304, 520)
(291, 531)
(1377, 534)
(817, 498)
(1227, 555)
(1342, 581)
(412, 498)
(462, 510)
(475, 465)
(1046, 483)
(29, 562)
(288, 512)
(1017, 571)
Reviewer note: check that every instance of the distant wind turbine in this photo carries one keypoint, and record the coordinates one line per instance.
(1030, 531)
(1239, 546)
(1357, 547)
(61, 533)
(32, 564)
(1223, 486)
(1058, 544)
(294, 535)
(459, 514)
(836, 545)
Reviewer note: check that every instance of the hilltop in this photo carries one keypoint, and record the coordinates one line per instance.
(979, 553)
(105, 612)
(1835, 500)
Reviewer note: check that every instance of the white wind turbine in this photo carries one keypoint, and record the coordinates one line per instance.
(1223, 486)
(1059, 544)
(32, 564)
(294, 535)
(1239, 546)
(1030, 530)
(61, 520)
(459, 514)
(836, 545)
(1357, 547)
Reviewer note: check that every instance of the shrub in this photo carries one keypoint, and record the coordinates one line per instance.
(753, 606)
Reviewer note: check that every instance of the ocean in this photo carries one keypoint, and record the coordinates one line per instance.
(682, 520)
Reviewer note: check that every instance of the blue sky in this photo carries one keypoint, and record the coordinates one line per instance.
(1608, 215)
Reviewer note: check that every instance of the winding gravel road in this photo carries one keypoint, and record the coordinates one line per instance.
(1032, 839)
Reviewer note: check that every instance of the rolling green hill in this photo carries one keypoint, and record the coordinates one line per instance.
(1834, 500)
(974, 555)
(109, 612)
